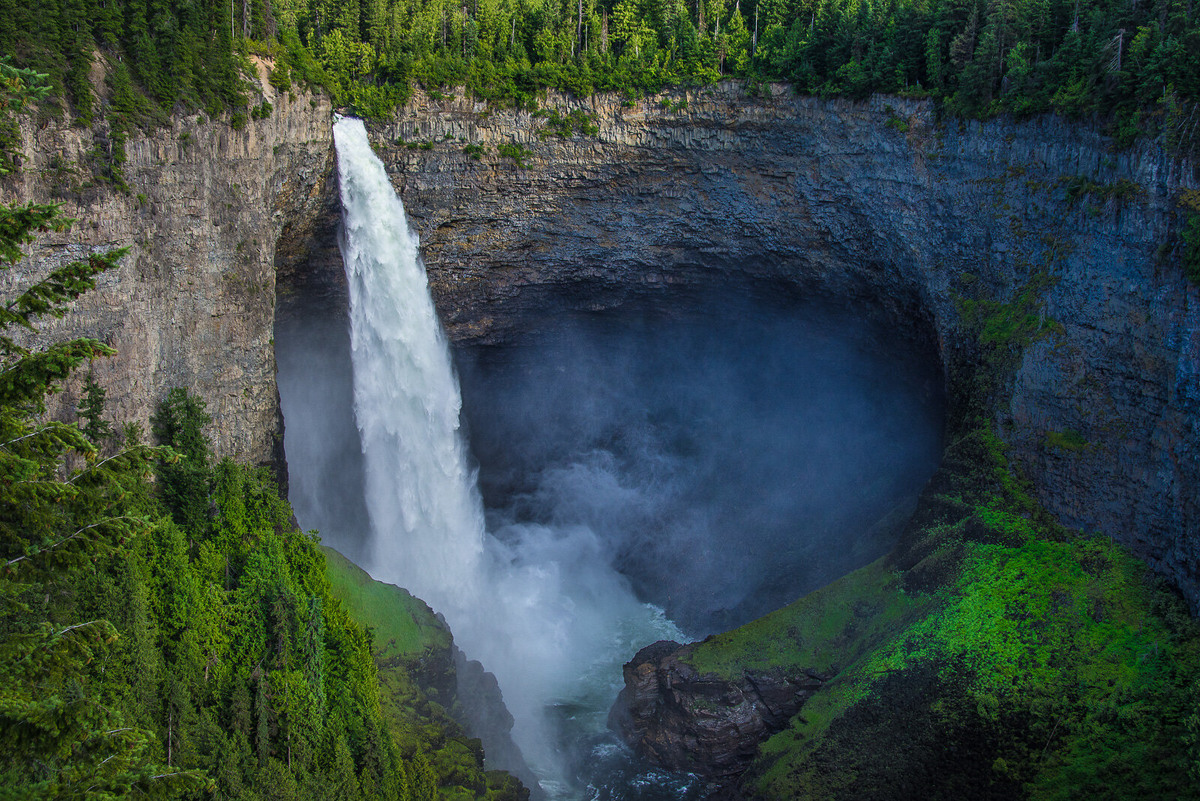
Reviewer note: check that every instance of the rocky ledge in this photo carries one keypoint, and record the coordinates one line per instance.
(703, 724)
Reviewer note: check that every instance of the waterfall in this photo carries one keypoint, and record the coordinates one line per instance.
(425, 512)
(540, 606)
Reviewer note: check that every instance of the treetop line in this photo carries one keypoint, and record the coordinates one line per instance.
(1136, 63)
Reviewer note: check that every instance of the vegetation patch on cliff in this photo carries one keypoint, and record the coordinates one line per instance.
(401, 625)
(1189, 202)
(825, 631)
(992, 655)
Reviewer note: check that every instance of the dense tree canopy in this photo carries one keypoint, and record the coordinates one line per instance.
(1135, 61)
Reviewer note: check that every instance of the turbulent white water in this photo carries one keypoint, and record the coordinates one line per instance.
(420, 494)
(541, 607)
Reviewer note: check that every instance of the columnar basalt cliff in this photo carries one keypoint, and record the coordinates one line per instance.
(193, 302)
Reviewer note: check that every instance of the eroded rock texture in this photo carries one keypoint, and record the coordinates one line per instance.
(193, 302)
(702, 724)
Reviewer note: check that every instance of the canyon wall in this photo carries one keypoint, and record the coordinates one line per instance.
(876, 206)
(192, 304)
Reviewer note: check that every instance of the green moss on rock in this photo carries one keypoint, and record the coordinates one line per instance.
(403, 626)
(993, 655)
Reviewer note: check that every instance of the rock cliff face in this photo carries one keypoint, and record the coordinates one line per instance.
(876, 206)
(193, 303)
(702, 724)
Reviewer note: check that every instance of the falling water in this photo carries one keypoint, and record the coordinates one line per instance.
(421, 496)
(540, 606)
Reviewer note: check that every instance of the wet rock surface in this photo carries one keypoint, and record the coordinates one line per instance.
(702, 724)
(480, 708)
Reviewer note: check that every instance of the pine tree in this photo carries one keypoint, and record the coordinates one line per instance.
(57, 738)
(185, 481)
(91, 411)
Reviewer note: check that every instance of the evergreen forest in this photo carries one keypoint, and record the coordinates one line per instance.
(1133, 63)
(166, 631)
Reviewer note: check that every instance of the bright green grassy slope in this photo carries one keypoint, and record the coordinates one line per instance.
(412, 653)
(824, 631)
(993, 655)
(403, 626)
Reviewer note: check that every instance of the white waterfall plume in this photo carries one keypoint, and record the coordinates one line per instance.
(541, 607)
(425, 512)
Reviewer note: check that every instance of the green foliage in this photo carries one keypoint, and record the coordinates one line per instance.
(91, 412)
(401, 625)
(1009, 327)
(184, 477)
(1003, 330)
(1135, 65)
(233, 652)
(18, 89)
(1191, 247)
(181, 623)
(818, 632)
(576, 123)
(61, 508)
(1069, 441)
(515, 151)
(474, 152)
(1189, 202)
(1123, 189)
(992, 649)
(895, 121)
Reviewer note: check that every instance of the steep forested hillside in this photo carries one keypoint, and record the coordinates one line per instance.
(165, 630)
(1137, 63)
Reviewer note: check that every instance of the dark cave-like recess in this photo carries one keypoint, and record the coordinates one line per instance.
(734, 443)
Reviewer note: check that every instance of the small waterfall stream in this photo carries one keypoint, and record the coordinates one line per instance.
(541, 607)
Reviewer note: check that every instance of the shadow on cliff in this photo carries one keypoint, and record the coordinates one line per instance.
(730, 451)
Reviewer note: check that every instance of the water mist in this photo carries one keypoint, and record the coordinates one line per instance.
(543, 609)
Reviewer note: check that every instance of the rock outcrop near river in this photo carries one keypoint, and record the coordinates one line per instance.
(702, 724)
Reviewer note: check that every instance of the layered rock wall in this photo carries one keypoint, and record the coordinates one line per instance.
(192, 304)
(880, 207)
(876, 206)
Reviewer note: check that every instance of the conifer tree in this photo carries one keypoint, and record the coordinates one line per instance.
(91, 411)
(58, 739)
